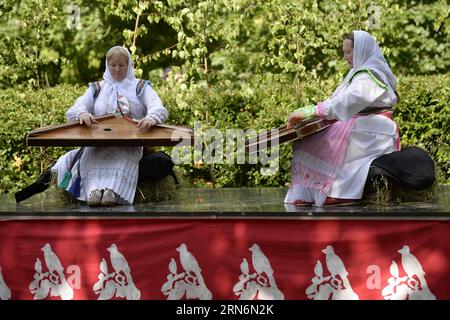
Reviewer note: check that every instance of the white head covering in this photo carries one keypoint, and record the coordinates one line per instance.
(367, 55)
(107, 99)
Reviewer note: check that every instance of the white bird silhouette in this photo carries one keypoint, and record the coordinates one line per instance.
(411, 265)
(54, 265)
(260, 262)
(188, 261)
(5, 292)
(190, 264)
(118, 261)
(334, 263)
(52, 260)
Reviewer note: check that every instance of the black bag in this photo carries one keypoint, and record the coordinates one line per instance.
(156, 166)
(412, 167)
(41, 184)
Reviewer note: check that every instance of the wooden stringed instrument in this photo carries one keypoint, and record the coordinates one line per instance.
(282, 134)
(111, 130)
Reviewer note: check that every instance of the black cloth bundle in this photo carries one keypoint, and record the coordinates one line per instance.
(156, 166)
(412, 167)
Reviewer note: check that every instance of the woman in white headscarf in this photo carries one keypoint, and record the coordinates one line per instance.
(331, 167)
(108, 175)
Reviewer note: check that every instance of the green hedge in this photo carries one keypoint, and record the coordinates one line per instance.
(423, 117)
(260, 101)
(22, 111)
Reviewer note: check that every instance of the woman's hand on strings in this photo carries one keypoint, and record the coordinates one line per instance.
(145, 124)
(294, 118)
(87, 119)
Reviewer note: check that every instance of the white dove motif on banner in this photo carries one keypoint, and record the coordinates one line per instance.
(5, 292)
(119, 282)
(189, 283)
(260, 285)
(53, 281)
(413, 285)
(336, 286)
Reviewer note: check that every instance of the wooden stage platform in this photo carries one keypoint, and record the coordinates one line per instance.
(224, 244)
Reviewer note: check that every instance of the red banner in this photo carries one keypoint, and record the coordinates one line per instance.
(224, 259)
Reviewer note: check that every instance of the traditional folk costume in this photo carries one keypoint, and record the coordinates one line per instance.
(335, 162)
(114, 168)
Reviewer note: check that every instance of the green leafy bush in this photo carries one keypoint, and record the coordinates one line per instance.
(23, 110)
(54, 41)
(258, 102)
(238, 64)
(423, 117)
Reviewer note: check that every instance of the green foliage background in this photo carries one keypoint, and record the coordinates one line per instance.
(237, 64)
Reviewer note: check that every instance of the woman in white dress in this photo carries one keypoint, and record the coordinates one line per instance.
(106, 176)
(331, 167)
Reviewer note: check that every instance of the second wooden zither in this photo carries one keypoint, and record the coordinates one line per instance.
(111, 130)
(283, 134)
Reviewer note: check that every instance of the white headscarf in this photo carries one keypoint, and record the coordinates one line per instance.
(367, 55)
(107, 99)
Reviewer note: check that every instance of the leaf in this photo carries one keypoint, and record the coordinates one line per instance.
(316, 279)
(250, 293)
(98, 285)
(394, 269)
(104, 266)
(387, 291)
(318, 269)
(312, 289)
(121, 291)
(178, 291)
(238, 287)
(33, 285)
(42, 292)
(38, 265)
(134, 293)
(166, 286)
(109, 291)
(173, 266)
(244, 266)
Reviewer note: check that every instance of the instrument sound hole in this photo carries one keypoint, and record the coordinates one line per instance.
(107, 129)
